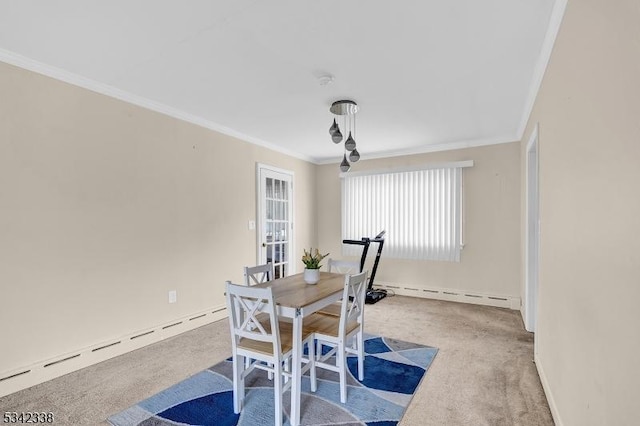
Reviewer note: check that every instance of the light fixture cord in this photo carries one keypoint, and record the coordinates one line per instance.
(346, 129)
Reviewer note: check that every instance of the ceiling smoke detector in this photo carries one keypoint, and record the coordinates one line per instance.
(325, 79)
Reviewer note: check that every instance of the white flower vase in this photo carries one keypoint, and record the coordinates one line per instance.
(311, 276)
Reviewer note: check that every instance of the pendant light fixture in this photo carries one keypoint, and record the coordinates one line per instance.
(345, 166)
(333, 129)
(347, 110)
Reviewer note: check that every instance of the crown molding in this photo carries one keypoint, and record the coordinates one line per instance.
(425, 149)
(557, 13)
(107, 90)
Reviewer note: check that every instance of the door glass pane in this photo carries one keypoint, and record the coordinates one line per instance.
(269, 193)
(285, 251)
(276, 193)
(269, 232)
(269, 253)
(269, 209)
(277, 272)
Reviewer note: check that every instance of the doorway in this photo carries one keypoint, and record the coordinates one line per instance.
(532, 235)
(275, 218)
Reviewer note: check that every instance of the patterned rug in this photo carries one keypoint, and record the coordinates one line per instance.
(393, 371)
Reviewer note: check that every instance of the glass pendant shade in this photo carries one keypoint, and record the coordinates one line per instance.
(345, 166)
(337, 136)
(333, 127)
(350, 143)
(354, 156)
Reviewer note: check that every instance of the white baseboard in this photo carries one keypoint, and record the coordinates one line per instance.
(22, 378)
(453, 295)
(547, 392)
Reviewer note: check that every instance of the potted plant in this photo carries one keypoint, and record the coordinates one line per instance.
(312, 265)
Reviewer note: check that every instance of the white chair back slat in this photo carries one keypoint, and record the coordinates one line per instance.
(258, 274)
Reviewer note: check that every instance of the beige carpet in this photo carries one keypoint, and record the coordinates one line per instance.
(483, 375)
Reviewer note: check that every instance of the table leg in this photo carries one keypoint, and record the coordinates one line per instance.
(296, 373)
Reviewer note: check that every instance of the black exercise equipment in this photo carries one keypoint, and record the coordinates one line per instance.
(373, 296)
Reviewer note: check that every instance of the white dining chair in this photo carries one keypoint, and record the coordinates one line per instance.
(336, 331)
(267, 343)
(258, 274)
(346, 267)
(343, 266)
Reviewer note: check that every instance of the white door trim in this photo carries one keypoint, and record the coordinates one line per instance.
(532, 232)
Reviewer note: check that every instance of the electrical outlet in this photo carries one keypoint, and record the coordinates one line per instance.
(252, 225)
(173, 296)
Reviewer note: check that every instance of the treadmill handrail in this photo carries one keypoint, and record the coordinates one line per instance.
(361, 242)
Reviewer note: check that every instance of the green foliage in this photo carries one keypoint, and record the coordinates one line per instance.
(312, 261)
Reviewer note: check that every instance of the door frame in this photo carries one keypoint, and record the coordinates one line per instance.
(260, 209)
(532, 231)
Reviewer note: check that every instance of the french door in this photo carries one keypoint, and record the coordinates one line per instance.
(275, 219)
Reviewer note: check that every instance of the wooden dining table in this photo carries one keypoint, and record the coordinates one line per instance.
(296, 299)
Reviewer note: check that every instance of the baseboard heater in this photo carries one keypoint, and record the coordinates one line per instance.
(29, 375)
(452, 295)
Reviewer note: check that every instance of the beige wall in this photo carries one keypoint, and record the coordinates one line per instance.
(106, 206)
(490, 260)
(588, 111)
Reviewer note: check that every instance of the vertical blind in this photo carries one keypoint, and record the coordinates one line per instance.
(421, 210)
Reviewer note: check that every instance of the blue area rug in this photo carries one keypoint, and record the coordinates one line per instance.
(393, 371)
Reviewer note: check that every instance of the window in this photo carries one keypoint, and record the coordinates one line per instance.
(421, 210)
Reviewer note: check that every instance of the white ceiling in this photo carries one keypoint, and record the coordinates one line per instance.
(427, 74)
